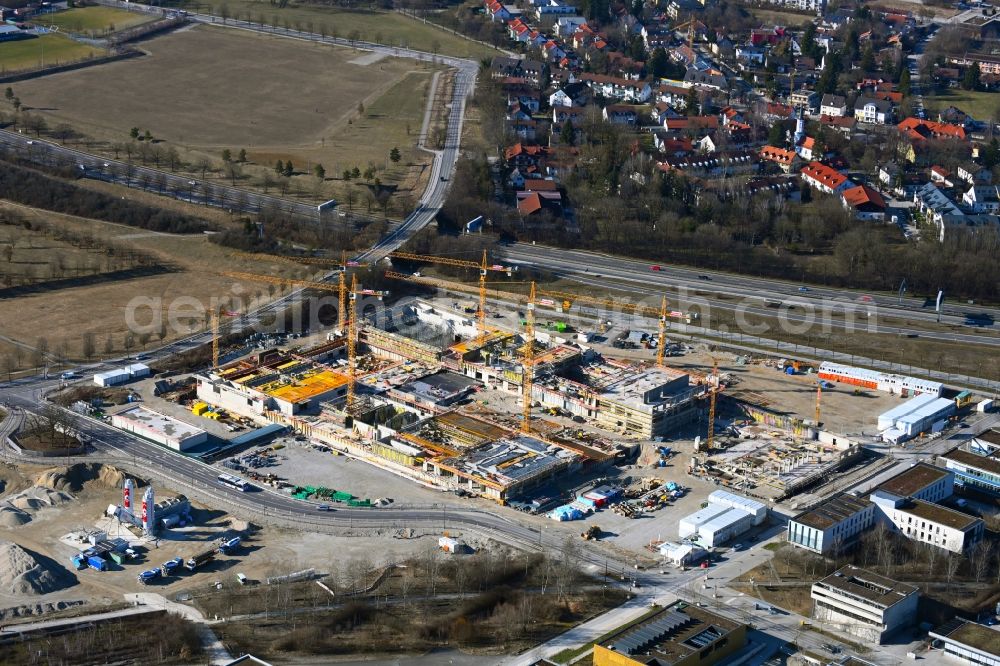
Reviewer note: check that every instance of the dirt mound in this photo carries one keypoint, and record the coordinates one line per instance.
(74, 477)
(37, 497)
(29, 610)
(11, 516)
(21, 573)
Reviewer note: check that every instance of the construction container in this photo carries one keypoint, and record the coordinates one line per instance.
(922, 419)
(888, 419)
(688, 527)
(97, 563)
(79, 561)
(984, 406)
(727, 499)
(117, 558)
(722, 528)
(199, 408)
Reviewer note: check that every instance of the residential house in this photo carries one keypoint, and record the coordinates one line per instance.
(824, 178)
(553, 8)
(571, 94)
(675, 96)
(785, 159)
(527, 96)
(843, 124)
(532, 71)
(612, 87)
(660, 111)
(917, 129)
(983, 198)
(712, 79)
(804, 147)
(817, 7)
(866, 203)
(776, 112)
(523, 156)
(621, 114)
(804, 99)
(833, 105)
(575, 115)
(692, 125)
(973, 174)
(712, 166)
(873, 111)
(526, 130)
(941, 176)
(566, 26)
(517, 112)
(671, 146)
(750, 54)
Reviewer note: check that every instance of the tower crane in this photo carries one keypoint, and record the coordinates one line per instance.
(484, 269)
(710, 438)
(527, 365)
(819, 395)
(661, 342)
(352, 337)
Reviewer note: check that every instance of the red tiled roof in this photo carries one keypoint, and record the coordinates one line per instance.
(821, 173)
(861, 195)
(539, 185)
(775, 154)
(915, 128)
(530, 204)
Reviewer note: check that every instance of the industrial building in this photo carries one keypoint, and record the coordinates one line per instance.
(864, 604)
(974, 471)
(879, 381)
(679, 635)
(833, 525)
(964, 642)
(121, 375)
(929, 523)
(727, 516)
(159, 428)
(887, 420)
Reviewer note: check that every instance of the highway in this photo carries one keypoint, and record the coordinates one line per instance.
(595, 268)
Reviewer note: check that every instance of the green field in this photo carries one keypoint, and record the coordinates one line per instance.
(94, 20)
(984, 106)
(47, 50)
(382, 27)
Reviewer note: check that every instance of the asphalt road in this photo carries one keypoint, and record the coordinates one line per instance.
(594, 268)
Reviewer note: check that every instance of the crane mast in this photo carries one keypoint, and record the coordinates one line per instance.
(527, 365)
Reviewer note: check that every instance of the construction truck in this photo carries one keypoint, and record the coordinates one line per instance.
(200, 559)
(591, 533)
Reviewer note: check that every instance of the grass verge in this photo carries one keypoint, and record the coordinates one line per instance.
(45, 51)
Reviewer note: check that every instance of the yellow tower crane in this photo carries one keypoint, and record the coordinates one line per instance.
(527, 366)
(661, 342)
(352, 338)
(484, 269)
(819, 396)
(709, 440)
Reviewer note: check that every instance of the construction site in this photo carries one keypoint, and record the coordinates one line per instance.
(519, 399)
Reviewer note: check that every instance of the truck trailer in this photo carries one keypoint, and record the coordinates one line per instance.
(199, 560)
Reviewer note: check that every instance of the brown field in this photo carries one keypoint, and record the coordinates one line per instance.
(64, 316)
(200, 91)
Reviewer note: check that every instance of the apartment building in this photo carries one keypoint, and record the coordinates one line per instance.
(929, 523)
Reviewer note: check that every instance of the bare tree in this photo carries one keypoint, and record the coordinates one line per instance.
(87, 345)
(951, 566)
(982, 556)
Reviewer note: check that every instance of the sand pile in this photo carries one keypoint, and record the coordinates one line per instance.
(74, 477)
(21, 573)
(11, 516)
(38, 497)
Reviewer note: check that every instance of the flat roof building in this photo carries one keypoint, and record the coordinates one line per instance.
(967, 643)
(929, 523)
(159, 428)
(678, 635)
(832, 525)
(864, 604)
(921, 481)
(974, 471)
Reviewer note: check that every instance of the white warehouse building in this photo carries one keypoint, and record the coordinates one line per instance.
(159, 428)
(121, 375)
